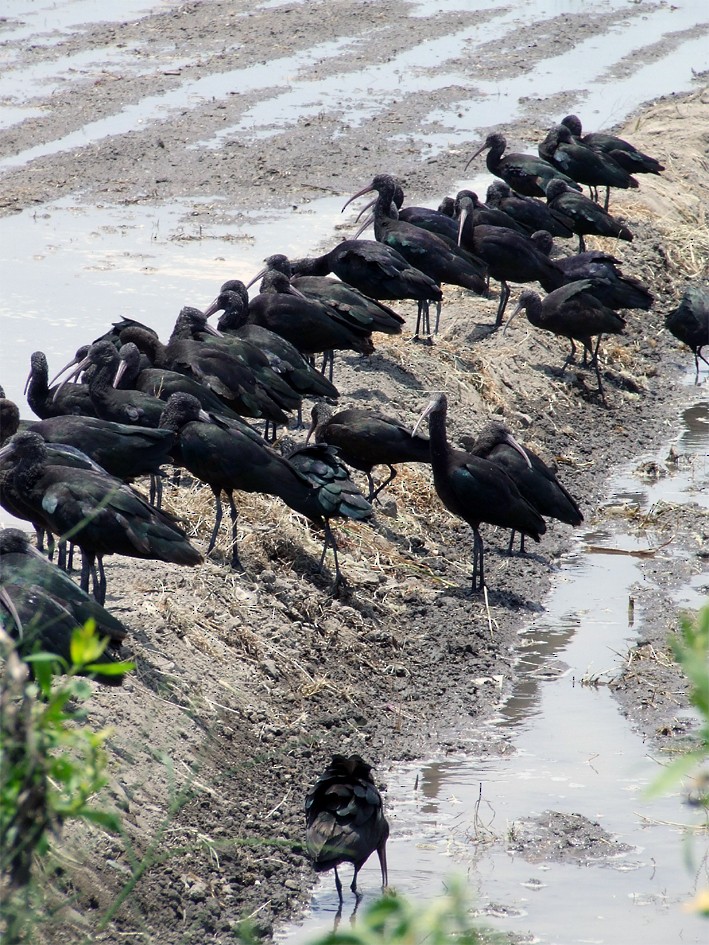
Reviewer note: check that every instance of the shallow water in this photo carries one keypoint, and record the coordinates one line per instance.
(446, 813)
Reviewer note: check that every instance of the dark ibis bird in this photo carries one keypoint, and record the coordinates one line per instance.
(46, 401)
(345, 820)
(230, 457)
(510, 256)
(608, 283)
(622, 152)
(571, 312)
(476, 489)
(582, 163)
(376, 269)
(531, 213)
(424, 249)
(366, 438)
(110, 403)
(134, 374)
(48, 605)
(586, 216)
(344, 302)
(535, 480)
(283, 356)
(311, 326)
(338, 496)
(525, 173)
(98, 512)
(246, 389)
(688, 321)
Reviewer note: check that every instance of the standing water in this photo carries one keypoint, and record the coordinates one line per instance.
(611, 866)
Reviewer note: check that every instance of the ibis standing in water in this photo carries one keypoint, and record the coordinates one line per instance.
(345, 820)
(475, 489)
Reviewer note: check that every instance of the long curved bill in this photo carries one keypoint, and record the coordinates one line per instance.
(518, 308)
(360, 193)
(470, 160)
(510, 440)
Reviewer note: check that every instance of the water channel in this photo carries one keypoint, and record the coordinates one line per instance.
(568, 750)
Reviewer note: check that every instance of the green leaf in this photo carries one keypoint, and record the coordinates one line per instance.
(110, 669)
(86, 646)
(105, 819)
(672, 775)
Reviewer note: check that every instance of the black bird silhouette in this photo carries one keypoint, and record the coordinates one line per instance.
(510, 256)
(344, 302)
(572, 313)
(312, 327)
(376, 269)
(424, 249)
(345, 820)
(119, 406)
(98, 512)
(366, 438)
(534, 479)
(50, 402)
(475, 489)
(586, 216)
(284, 357)
(229, 456)
(582, 163)
(689, 320)
(622, 152)
(46, 605)
(531, 213)
(132, 374)
(525, 173)
(338, 496)
(608, 284)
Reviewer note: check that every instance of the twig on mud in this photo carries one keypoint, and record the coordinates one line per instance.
(487, 610)
(280, 803)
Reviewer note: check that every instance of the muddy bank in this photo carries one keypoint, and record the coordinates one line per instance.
(247, 683)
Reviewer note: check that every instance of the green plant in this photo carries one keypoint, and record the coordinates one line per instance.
(51, 765)
(690, 648)
(392, 920)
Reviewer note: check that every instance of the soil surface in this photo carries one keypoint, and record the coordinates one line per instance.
(247, 683)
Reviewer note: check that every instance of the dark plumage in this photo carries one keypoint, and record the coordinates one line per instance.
(424, 249)
(534, 479)
(48, 605)
(344, 302)
(345, 822)
(689, 320)
(510, 256)
(622, 152)
(118, 406)
(531, 213)
(525, 173)
(574, 314)
(283, 356)
(51, 402)
(367, 438)
(376, 269)
(608, 284)
(228, 456)
(338, 496)
(582, 163)
(475, 489)
(98, 512)
(586, 216)
(311, 326)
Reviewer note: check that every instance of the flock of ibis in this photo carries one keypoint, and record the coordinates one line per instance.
(210, 402)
